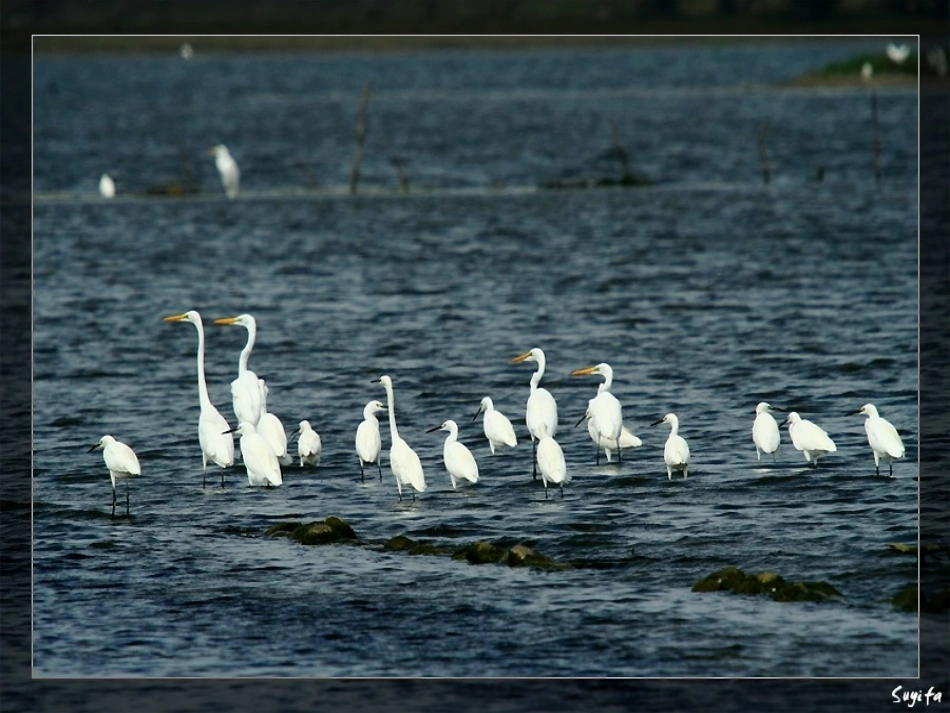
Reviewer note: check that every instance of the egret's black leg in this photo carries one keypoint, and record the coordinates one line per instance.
(891, 468)
(127, 513)
(380, 469)
(619, 452)
(361, 472)
(222, 477)
(562, 491)
(113, 502)
(204, 476)
(534, 461)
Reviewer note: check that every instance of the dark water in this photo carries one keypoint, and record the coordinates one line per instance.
(706, 292)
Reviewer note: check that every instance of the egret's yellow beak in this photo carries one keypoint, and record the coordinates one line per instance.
(175, 318)
(226, 320)
(585, 372)
(521, 358)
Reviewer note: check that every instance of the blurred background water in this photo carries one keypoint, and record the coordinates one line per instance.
(707, 291)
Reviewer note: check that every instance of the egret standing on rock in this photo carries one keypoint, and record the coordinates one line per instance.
(228, 168)
(215, 446)
(122, 464)
(883, 438)
(309, 446)
(551, 462)
(676, 450)
(765, 433)
(368, 442)
(458, 459)
(541, 409)
(245, 391)
(497, 427)
(259, 458)
(808, 438)
(403, 461)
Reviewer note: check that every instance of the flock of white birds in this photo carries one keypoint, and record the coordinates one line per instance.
(264, 444)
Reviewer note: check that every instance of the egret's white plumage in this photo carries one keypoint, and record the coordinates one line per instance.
(122, 464)
(259, 458)
(883, 438)
(228, 168)
(627, 439)
(106, 186)
(368, 441)
(497, 427)
(245, 391)
(403, 461)
(551, 462)
(271, 428)
(676, 450)
(186, 51)
(898, 54)
(604, 413)
(216, 446)
(808, 438)
(309, 445)
(765, 433)
(458, 459)
(541, 409)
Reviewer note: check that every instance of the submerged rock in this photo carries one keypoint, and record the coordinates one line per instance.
(281, 529)
(401, 543)
(333, 529)
(735, 580)
(906, 599)
(480, 553)
(523, 556)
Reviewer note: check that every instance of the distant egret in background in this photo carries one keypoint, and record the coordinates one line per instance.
(898, 54)
(309, 445)
(497, 427)
(541, 409)
(883, 438)
(368, 442)
(403, 461)
(228, 168)
(808, 438)
(676, 450)
(106, 186)
(270, 427)
(186, 51)
(458, 459)
(604, 414)
(122, 465)
(867, 71)
(765, 433)
(259, 458)
(551, 462)
(245, 390)
(215, 446)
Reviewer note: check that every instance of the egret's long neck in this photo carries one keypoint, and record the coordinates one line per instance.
(674, 428)
(536, 379)
(392, 412)
(608, 380)
(203, 397)
(453, 436)
(248, 348)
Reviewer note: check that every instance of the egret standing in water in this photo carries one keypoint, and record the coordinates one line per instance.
(883, 438)
(604, 414)
(403, 461)
(497, 427)
(808, 438)
(245, 391)
(458, 459)
(676, 450)
(215, 446)
(270, 427)
(106, 186)
(309, 445)
(551, 463)
(765, 433)
(541, 409)
(368, 442)
(122, 464)
(259, 458)
(228, 168)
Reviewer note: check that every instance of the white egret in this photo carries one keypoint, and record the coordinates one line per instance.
(458, 459)
(245, 391)
(627, 439)
(186, 51)
(270, 427)
(541, 409)
(867, 71)
(309, 445)
(368, 442)
(676, 450)
(883, 438)
(228, 168)
(765, 433)
(551, 463)
(122, 464)
(106, 186)
(808, 438)
(604, 412)
(403, 461)
(215, 446)
(898, 54)
(497, 427)
(259, 459)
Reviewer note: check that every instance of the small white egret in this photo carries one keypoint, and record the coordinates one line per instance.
(403, 461)
(604, 413)
(259, 459)
(228, 168)
(245, 390)
(106, 186)
(883, 438)
(551, 463)
(898, 54)
(765, 433)
(676, 450)
(368, 442)
(541, 409)
(458, 459)
(270, 427)
(867, 71)
(309, 445)
(186, 51)
(215, 446)
(627, 439)
(122, 464)
(497, 427)
(808, 438)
